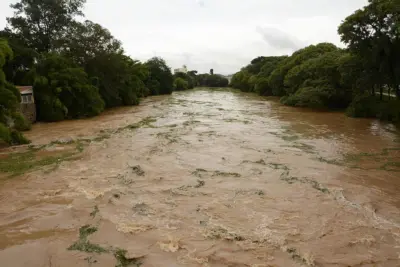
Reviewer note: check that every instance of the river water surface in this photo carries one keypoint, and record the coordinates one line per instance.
(206, 178)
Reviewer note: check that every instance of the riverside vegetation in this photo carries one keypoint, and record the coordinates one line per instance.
(362, 78)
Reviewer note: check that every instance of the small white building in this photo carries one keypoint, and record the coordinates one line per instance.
(26, 94)
(182, 70)
(27, 105)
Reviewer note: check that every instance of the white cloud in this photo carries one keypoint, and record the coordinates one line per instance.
(219, 34)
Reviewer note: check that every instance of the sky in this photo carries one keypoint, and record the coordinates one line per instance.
(220, 34)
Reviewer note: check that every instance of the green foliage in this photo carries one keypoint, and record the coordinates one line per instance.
(214, 80)
(160, 79)
(9, 101)
(20, 123)
(17, 68)
(253, 77)
(119, 78)
(5, 135)
(189, 78)
(262, 87)
(240, 80)
(43, 24)
(371, 107)
(372, 33)
(180, 84)
(63, 90)
(18, 138)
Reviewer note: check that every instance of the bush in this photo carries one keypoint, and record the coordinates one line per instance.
(64, 91)
(363, 106)
(262, 87)
(20, 123)
(311, 97)
(5, 135)
(180, 84)
(368, 106)
(18, 138)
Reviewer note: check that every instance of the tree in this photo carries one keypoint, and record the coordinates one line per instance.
(9, 101)
(180, 84)
(63, 90)
(277, 77)
(373, 33)
(240, 80)
(189, 79)
(17, 69)
(42, 24)
(86, 41)
(160, 79)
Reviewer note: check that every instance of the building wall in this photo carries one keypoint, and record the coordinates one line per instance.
(29, 111)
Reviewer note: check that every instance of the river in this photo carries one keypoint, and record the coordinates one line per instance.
(204, 178)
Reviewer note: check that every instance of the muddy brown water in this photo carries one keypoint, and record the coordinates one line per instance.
(217, 178)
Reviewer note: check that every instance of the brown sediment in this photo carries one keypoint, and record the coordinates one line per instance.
(205, 178)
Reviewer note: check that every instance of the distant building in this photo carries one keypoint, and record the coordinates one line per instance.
(27, 106)
(181, 70)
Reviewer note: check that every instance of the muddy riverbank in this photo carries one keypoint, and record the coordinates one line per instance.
(203, 178)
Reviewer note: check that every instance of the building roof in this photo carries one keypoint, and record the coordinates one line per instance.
(25, 89)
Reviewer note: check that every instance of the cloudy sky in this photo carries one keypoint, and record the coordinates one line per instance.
(219, 34)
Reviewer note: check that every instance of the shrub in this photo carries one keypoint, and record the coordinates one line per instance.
(20, 123)
(363, 106)
(18, 138)
(5, 135)
(311, 97)
(180, 84)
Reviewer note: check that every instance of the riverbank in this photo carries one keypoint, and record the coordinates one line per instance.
(205, 178)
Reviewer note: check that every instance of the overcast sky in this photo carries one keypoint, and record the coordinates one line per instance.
(219, 34)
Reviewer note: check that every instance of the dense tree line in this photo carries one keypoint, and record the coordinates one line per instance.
(364, 78)
(77, 69)
(192, 79)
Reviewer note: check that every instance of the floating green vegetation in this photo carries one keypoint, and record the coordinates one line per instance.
(278, 166)
(86, 246)
(169, 136)
(123, 261)
(191, 122)
(144, 123)
(200, 183)
(95, 211)
(83, 244)
(218, 232)
(296, 256)
(138, 170)
(199, 172)
(102, 137)
(237, 120)
(226, 174)
(285, 176)
(261, 161)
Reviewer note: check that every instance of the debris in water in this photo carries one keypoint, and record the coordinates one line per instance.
(94, 212)
(138, 170)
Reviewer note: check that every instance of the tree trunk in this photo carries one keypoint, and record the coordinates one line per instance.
(381, 91)
(389, 89)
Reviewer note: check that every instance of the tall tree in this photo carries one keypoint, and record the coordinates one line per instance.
(160, 79)
(373, 33)
(87, 40)
(9, 101)
(42, 24)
